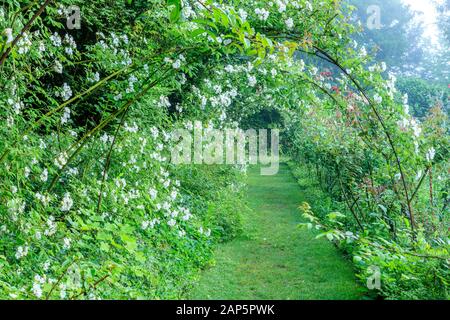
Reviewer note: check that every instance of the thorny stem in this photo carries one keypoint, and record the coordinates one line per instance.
(385, 130)
(327, 57)
(59, 279)
(24, 29)
(347, 201)
(104, 123)
(60, 107)
(108, 160)
(420, 183)
(94, 286)
(83, 94)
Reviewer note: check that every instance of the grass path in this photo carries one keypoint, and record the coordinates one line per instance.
(273, 259)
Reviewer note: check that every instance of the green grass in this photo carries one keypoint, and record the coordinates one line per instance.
(273, 259)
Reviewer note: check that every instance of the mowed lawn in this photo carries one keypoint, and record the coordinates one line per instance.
(273, 259)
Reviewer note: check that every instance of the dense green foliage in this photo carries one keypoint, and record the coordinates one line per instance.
(423, 96)
(92, 207)
(89, 206)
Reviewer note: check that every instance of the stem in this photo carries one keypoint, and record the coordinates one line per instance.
(347, 201)
(94, 286)
(431, 186)
(385, 130)
(24, 29)
(420, 183)
(108, 160)
(82, 142)
(59, 279)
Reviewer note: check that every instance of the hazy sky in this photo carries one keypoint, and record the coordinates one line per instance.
(427, 7)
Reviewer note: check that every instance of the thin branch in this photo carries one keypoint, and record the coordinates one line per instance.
(24, 29)
(385, 130)
(94, 286)
(108, 160)
(82, 142)
(347, 201)
(420, 183)
(59, 279)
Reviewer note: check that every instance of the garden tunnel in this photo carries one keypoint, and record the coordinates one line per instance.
(92, 207)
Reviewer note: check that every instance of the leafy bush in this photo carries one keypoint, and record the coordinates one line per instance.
(423, 95)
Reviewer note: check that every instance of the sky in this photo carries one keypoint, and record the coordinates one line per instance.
(428, 8)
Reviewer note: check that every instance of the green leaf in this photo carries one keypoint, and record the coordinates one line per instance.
(104, 247)
(140, 257)
(131, 245)
(104, 236)
(197, 32)
(175, 14)
(207, 23)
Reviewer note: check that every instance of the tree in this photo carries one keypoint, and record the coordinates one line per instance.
(444, 19)
(422, 95)
(390, 30)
